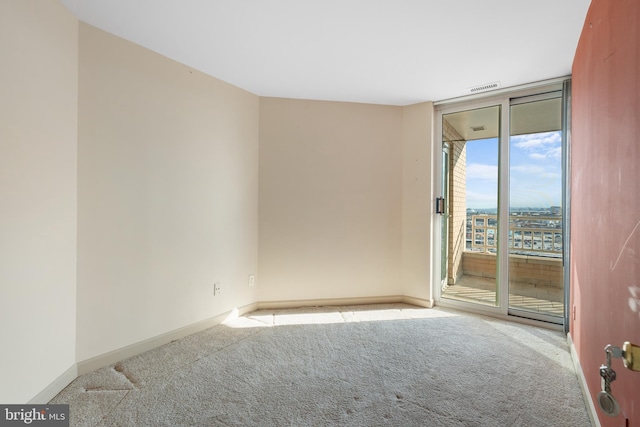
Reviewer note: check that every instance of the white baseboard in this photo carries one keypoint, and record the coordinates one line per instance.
(591, 408)
(55, 387)
(272, 305)
(420, 302)
(117, 355)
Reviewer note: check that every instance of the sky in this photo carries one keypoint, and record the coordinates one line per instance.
(535, 178)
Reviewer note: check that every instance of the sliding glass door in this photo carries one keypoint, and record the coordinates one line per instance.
(472, 138)
(501, 233)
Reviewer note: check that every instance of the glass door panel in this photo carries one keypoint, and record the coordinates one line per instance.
(535, 268)
(469, 267)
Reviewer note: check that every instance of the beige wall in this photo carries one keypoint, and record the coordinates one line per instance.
(167, 195)
(417, 197)
(130, 186)
(38, 143)
(330, 200)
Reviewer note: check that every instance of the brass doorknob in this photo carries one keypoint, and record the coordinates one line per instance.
(631, 356)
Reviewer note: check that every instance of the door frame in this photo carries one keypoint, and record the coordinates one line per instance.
(503, 99)
(444, 217)
(438, 173)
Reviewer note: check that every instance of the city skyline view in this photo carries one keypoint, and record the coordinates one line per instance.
(535, 171)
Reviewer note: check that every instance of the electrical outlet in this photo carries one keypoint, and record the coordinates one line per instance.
(252, 279)
(216, 289)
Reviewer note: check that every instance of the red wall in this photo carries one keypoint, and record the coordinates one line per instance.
(605, 197)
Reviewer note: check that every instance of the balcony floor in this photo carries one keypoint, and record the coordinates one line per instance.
(523, 296)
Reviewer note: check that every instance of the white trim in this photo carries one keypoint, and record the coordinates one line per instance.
(436, 220)
(502, 91)
(566, 199)
(591, 408)
(504, 172)
(117, 355)
(420, 302)
(391, 299)
(519, 100)
(50, 391)
(135, 349)
(106, 359)
(537, 315)
(490, 311)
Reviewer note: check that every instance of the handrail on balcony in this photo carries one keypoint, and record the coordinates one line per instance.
(535, 235)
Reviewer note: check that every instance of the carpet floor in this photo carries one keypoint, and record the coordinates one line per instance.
(375, 365)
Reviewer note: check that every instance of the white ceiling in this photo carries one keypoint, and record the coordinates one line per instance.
(395, 52)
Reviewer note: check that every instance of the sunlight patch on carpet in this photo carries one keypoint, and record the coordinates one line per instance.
(333, 314)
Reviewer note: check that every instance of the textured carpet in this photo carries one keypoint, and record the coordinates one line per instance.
(375, 365)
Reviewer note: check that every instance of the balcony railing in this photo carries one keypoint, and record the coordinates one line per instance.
(528, 235)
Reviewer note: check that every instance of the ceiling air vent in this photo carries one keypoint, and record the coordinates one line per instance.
(478, 128)
(486, 86)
